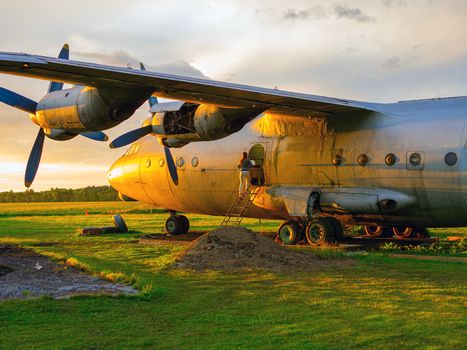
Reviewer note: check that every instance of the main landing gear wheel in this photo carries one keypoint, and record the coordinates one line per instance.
(374, 231)
(290, 232)
(421, 233)
(338, 229)
(378, 231)
(402, 232)
(320, 231)
(177, 224)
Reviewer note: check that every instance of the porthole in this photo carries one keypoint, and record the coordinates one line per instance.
(415, 159)
(450, 159)
(362, 159)
(148, 163)
(337, 160)
(180, 162)
(161, 162)
(390, 159)
(194, 162)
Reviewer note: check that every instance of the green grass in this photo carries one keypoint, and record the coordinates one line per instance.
(373, 301)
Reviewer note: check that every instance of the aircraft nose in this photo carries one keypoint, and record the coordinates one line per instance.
(115, 174)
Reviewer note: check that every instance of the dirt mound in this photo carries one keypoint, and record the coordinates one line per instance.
(228, 248)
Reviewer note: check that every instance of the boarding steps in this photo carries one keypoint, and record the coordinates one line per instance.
(240, 206)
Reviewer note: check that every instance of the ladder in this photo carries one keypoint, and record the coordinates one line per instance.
(240, 206)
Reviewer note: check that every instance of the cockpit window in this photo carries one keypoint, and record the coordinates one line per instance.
(132, 150)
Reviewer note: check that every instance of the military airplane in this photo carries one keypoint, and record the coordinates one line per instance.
(395, 168)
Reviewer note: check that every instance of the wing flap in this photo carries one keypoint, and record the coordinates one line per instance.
(177, 87)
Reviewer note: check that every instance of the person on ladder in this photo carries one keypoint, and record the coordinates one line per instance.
(244, 165)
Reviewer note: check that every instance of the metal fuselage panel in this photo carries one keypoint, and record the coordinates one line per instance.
(299, 151)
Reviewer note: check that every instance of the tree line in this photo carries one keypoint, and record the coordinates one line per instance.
(87, 194)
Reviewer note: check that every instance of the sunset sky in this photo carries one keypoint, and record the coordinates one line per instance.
(373, 50)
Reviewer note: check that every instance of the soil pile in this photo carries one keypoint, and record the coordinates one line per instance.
(25, 274)
(229, 248)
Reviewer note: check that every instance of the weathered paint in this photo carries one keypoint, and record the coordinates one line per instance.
(299, 152)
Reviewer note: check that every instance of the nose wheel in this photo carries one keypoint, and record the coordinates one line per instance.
(177, 224)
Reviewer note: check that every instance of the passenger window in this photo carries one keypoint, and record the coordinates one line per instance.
(415, 160)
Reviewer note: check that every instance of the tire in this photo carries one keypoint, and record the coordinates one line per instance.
(173, 225)
(120, 223)
(338, 229)
(289, 232)
(320, 231)
(185, 224)
(402, 232)
(374, 231)
(421, 233)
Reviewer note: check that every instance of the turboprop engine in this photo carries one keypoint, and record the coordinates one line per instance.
(82, 109)
(179, 123)
(65, 113)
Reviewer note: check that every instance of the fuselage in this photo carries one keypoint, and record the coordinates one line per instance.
(348, 150)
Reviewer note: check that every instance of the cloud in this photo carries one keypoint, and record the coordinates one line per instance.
(295, 14)
(392, 63)
(400, 3)
(343, 11)
(407, 3)
(123, 58)
(319, 12)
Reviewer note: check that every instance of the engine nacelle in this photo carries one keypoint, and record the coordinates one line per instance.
(82, 109)
(191, 122)
(59, 134)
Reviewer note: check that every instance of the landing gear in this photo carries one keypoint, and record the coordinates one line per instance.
(402, 232)
(338, 229)
(177, 224)
(421, 233)
(321, 231)
(373, 231)
(378, 231)
(290, 232)
(316, 232)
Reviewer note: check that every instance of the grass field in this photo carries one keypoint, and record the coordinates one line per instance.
(374, 302)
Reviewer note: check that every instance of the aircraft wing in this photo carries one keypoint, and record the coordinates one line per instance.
(177, 87)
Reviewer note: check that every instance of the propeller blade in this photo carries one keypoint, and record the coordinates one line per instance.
(153, 99)
(34, 158)
(171, 165)
(131, 136)
(64, 54)
(16, 100)
(95, 135)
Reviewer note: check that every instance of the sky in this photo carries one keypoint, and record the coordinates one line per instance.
(370, 50)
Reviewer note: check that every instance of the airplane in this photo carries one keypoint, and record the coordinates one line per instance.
(395, 168)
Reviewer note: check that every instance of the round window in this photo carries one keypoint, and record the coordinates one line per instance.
(180, 162)
(390, 159)
(148, 163)
(362, 159)
(161, 162)
(337, 160)
(194, 162)
(450, 158)
(415, 159)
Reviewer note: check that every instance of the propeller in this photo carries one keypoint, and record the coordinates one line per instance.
(95, 135)
(131, 136)
(136, 134)
(15, 100)
(27, 105)
(34, 158)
